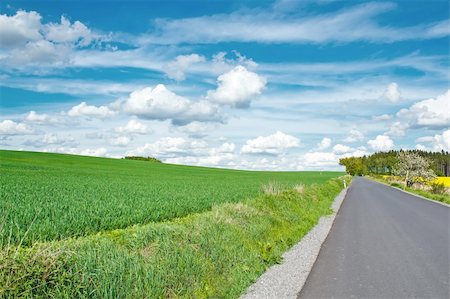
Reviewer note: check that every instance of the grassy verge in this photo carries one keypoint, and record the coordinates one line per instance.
(436, 197)
(216, 254)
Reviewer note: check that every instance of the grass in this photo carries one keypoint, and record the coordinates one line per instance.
(213, 254)
(445, 198)
(54, 196)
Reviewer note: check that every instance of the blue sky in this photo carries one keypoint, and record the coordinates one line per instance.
(283, 85)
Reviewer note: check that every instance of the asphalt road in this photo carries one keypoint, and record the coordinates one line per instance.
(384, 243)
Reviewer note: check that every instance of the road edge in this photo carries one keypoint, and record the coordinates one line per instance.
(410, 193)
(287, 279)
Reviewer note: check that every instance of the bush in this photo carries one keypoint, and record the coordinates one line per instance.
(149, 159)
(438, 188)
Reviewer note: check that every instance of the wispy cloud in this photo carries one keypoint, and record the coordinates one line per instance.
(356, 23)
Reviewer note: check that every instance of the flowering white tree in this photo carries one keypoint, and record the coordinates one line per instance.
(413, 168)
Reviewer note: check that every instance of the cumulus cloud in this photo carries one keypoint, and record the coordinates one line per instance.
(381, 143)
(222, 155)
(392, 92)
(17, 30)
(431, 113)
(442, 141)
(9, 127)
(439, 141)
(34, 117)
(274, 144)
(319, 160)
(237, 87)
(421, 147)
(28, 41)
(176, 69)
(134, 126)
(66, 32)
(195, 129)
(425, 139)
(120, 140)
(162, 104)
(397, 129)
(342, 149)
(170, 147)
(90, 111)
(324, 144)
(354, 136)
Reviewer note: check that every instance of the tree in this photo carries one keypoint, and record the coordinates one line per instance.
(353, 165)
(413, 168)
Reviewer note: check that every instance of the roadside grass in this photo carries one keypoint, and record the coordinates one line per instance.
(55, 196)
(445, 198)
(214, 254)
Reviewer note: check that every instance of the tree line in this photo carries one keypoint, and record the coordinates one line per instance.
(386, 163)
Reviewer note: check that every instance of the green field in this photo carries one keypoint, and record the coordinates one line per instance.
(127, 229)
(53, 196)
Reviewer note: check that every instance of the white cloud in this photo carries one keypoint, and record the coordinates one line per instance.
(120, 141)
(134, 126)
(354, 136)
(195, 129)
(442, 141)
(225, 148)
(342, 149)
(51, 139)
(176, 69)
(381, 143)
(17, 30)
(273, 144)
(30, 42)
(96, 152)
(432, 113)
(65, 32)
(357, 21)
(9, 127)
(392, 92)
(319, 160)
(398, 129)
(178, 150)
(382, 117)
(34, 117)
(170, 147)
(221, 63)
(162, 104)
(91, 111)
(237, 87)
(421, 147)
(425, 139)
(324, 144)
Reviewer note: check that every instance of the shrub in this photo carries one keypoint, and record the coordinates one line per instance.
(438, 188)
(149, 159)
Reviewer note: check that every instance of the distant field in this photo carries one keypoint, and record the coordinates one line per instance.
(54, 196)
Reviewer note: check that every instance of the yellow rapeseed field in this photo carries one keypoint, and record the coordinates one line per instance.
(444, 180)
(441, 179)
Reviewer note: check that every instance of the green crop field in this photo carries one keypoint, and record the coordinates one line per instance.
(53, 196)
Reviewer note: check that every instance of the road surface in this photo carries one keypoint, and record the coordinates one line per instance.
(384, 243)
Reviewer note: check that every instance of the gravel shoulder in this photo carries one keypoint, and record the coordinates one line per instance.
(285, 280)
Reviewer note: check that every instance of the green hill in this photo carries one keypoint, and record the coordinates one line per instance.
(48, 196)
